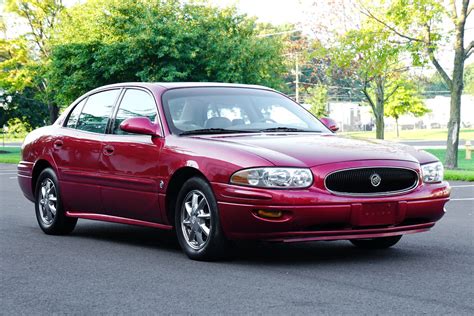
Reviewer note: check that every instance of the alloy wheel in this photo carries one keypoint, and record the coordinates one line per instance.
(196, 219)
(48, 202)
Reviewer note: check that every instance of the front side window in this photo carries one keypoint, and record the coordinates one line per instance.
(74, 116)
(218, 109)
(96, 113)
(135, 103)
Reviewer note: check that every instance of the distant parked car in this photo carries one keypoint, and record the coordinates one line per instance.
(222, 162)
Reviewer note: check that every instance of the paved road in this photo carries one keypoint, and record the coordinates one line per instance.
(118, 269)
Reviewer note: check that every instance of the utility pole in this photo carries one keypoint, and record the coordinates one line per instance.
(297, 68)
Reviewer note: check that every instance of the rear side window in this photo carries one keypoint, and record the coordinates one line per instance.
(96, 112)
(135, 103)
(74, 116)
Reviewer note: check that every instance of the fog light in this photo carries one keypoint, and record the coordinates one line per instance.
(269, 214)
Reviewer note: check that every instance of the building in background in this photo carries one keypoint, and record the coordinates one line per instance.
(351, 116)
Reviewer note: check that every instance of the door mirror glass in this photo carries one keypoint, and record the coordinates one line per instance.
(140, 125)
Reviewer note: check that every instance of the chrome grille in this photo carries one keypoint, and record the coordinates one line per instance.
(371, 181)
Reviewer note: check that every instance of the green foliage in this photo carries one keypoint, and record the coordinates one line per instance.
(15, 64)
(16, 128)
(368, 55)
(152, 40)
(41, 17)
(433, 86)
(414, 18)
(24, 60)
(469, 79)
(318, 99)
(406, 100)
(20, 83)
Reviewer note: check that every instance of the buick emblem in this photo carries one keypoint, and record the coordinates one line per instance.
(375, 180)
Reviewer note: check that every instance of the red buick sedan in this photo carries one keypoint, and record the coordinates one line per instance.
(223, 162)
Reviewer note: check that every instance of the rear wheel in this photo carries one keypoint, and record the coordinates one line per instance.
(49, 210)
(376, 243)
(197, 222)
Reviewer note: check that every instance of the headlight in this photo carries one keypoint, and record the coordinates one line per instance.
(432, 172)
(273, 177)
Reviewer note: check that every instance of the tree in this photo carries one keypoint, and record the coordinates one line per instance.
(369, 56)
(418, 26)
(19, 79)
(405, 101)
(317, 97)
(41, 18)
(152, 40)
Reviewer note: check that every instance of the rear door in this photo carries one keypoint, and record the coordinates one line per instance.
(129, 163)
(77, 150)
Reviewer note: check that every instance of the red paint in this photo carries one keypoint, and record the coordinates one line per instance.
(330, 123)
(120, 220)
(140, 125)
(124, 178)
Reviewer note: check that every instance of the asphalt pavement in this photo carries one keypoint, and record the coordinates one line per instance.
(104, 268)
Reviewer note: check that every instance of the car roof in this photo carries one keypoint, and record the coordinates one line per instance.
(173, 85)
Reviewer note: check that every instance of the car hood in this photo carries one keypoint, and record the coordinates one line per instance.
(305, 149)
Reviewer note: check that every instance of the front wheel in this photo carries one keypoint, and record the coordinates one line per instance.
(48, 205)
(376, 243)
(197, 222)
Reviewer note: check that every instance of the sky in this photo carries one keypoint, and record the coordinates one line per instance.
(272, 11)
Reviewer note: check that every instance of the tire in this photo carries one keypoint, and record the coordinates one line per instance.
(197, 222)
(48, 206)
(376, 243)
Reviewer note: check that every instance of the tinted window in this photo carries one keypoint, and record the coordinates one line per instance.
(96, 112)
(135, 103)
(74, 116)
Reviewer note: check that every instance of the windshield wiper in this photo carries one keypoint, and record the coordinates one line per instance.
(214, 131)
(287, 129)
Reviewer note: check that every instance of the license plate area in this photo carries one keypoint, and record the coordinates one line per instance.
(373, 214)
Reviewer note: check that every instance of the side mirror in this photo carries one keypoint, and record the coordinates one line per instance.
(140, 125)
(329, 123)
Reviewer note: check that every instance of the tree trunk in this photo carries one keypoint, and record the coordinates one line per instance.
(396, 122)
(53, 113)
(379, 109)
(454, 123)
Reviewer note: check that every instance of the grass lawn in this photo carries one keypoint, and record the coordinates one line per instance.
(9, 155)
(466, 167)
(420, 134)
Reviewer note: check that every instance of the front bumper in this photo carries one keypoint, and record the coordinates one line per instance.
(315, 214)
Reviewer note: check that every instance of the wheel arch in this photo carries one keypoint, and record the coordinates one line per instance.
(179, 177)
(39, 166)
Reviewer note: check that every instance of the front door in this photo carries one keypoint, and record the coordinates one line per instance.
(77, 148)
(129, 163)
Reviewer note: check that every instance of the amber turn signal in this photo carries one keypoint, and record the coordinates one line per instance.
(269, 214)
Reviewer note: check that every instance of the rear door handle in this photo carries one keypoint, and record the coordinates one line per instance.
(108, 150)
(58, 144)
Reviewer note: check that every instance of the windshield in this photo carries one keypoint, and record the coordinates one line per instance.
(233, 110)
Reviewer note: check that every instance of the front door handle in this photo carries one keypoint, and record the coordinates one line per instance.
(108, 150)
